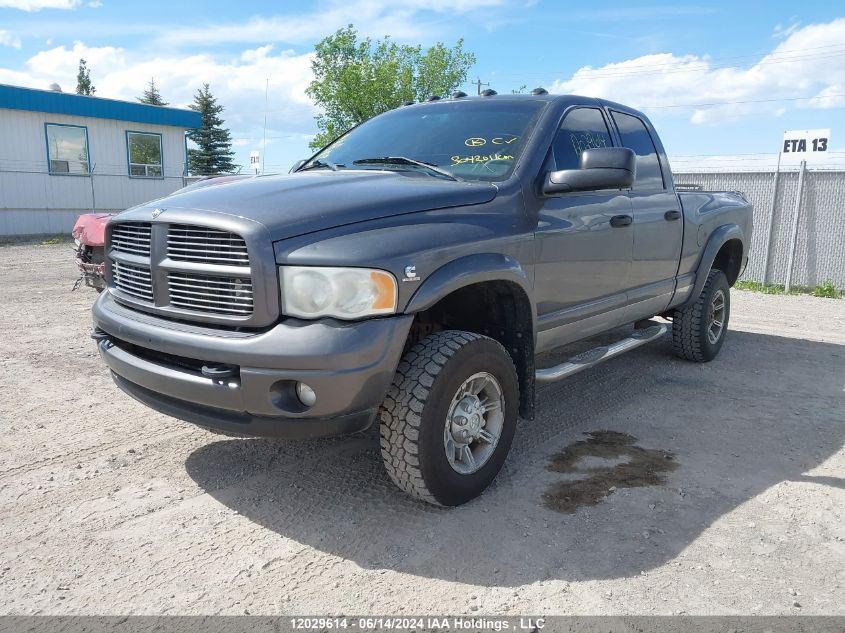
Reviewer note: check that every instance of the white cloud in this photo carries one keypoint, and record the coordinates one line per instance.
(375, 17)
(37, 5)
(808, 62)
(237, 82)
(7, 39)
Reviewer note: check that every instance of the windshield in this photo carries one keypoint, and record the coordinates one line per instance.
(472, 140)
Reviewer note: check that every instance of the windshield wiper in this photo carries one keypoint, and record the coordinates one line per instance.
(319, 164)
(402, 160)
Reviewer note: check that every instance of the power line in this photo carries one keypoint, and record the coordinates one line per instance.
(720, 103)
(655, 68)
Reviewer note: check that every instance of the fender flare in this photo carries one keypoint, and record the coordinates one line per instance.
(466, 271)
(716, 240)
(479, 268)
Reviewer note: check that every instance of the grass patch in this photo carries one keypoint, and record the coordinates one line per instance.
(36, 240)
(766, 289)
(826, 289)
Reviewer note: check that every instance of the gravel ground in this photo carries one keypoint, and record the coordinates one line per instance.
(109, 508)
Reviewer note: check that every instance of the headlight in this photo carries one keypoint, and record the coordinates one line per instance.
(345, 293)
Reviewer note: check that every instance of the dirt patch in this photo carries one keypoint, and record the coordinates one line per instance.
(599, 459)
(108, 508)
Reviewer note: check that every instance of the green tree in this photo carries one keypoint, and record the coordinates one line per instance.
(151, 95)
(355, 80)
(213, 154)
(83, 80)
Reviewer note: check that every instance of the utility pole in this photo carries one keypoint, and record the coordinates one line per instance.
(478, 84)
(264, 136)
(794, 236)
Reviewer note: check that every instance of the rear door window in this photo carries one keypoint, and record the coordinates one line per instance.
(635, 136)
(582, 128)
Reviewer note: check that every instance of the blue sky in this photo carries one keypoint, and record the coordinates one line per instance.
(767, 66)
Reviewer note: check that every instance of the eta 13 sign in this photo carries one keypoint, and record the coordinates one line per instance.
(809, 145)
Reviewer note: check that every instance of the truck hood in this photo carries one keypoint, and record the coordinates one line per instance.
(294, 204)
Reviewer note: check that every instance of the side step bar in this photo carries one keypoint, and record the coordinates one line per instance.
(599, 354)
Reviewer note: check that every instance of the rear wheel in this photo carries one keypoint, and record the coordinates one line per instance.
(449, 417)
(698, 330)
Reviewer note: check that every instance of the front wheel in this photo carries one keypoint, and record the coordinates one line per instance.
(449, 417)
(698, 330)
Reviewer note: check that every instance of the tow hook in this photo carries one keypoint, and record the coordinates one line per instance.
(218, 371)
(99, 335)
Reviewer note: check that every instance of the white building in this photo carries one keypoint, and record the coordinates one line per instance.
(65, 154)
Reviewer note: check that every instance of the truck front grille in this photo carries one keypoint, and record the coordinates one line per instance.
(132, 238)
(219, 295)
(133, 280)
(198, 244)
(183, 271)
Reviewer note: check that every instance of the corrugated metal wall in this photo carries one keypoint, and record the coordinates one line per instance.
(820, 243)
(33, 201)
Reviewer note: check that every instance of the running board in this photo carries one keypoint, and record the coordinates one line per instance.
(599, 354)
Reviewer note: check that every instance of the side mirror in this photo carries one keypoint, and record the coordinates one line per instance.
(599, 168)
(298, 164)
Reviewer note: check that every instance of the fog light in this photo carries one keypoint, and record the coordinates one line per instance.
(305, 394)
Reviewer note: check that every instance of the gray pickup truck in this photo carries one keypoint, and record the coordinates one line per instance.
(411, 272)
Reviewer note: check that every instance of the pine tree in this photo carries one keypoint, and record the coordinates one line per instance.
(83, 80)
(152, 96)
(214, 143)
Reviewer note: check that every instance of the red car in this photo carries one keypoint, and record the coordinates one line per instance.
(89, 233)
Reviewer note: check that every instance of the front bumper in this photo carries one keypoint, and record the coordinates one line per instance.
(348, 365)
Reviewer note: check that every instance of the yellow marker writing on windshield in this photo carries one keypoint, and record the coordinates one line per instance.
(479, 158)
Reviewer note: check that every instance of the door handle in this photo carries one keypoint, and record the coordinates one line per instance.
(620, 220)
(672, 214)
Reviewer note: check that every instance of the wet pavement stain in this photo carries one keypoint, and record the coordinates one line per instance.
(605, 461)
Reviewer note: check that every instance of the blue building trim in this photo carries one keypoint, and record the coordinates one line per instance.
(17, 98)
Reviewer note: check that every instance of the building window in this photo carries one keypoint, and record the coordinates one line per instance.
(67, 149)
(144, 154)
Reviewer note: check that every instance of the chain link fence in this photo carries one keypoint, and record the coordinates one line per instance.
(819, 237)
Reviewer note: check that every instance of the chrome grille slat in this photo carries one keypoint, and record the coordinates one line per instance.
(221, 285)
(208, 293)
(132, 238)
(197, 244)
(195, 247)
(212, 237)
(140, 273)
(140, 239)
(133, 283)
(182, 287)
(211, 302)
(132, 280)
(205, 258)
(203, 295)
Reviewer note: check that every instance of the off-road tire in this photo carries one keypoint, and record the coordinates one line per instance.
(690, 323)
(413, 415)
